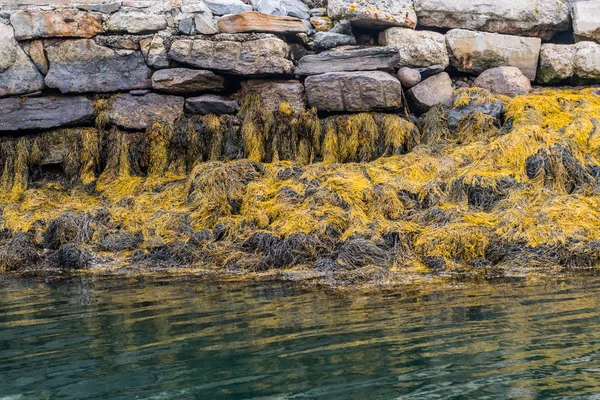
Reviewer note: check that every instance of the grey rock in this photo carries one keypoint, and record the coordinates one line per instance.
(329, 40)
(136, 22)
(18, 114)
(224, 7)
(78, 66)
(495, 109)
(318, 12)
(35, 51)
(183, 80)
(187, 26)
(366, 59)
(416, 48)
(540, 18)
(475, 52)
(138, 112)
(210, 104)
(354, 91)
(154, 52)
(139, 92)
(343, 27)
(18, 75)
(586, 64)
(586, 24)
(508, 81)
(434, 90)
(374, 13)
(557, 63)
(272, 93)
(409, 77)
(104, 8)
(205, 23)
(431, 71)
(292, 8)
(264, 56)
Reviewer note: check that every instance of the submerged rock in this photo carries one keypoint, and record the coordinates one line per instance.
(37, 113)
(354, 91)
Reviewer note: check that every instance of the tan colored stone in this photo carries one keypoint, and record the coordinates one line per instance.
(253, 21)
(508, 81)
(32, 24)
(272, 93)
(35, 50)
(321, 24)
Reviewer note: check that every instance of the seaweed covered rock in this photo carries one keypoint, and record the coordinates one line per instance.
(72, 256)
(121, 240)
(172, 255)
(69, 228)
(468, 102)
(20, 253)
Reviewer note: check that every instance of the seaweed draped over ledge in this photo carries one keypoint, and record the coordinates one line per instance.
(352, 197)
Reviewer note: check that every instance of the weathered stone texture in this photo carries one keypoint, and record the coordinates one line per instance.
(367, 59)
(136, 22)
(210, 104)
(36, 113)
(253, 21)
(586, 20)
(254, 57)
(154, 52)
(508, 81)
(272, 93)
(32, 24)
(409, 77)
(474, 52)
(225, 7)
(539, 18)
(18, 75)
(416, 48)
(354, 91)
(183, 80)
(35, 51)
(373, 13)
(78, 66)
(432, 91)
(587, 61)
(556, 63)
(138, 112)
(292, 8)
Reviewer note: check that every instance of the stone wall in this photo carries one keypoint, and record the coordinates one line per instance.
(160, 60)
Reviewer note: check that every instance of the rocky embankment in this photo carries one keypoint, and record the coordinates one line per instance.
(357, 140)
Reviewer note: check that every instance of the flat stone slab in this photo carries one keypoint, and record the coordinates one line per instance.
(367, 59)
(540, 18)
(78, 66)
(184, 80)
(253, 21)
(374, 13)
(210, 104)
(416, 48)
(32, 24)
(136, 22)
(138, 112)
(475, 52)
(354, 91)
(35, 113)
(264, 56)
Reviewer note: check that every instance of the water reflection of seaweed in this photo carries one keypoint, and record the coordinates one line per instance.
(354, 197)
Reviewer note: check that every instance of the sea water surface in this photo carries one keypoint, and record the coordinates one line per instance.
(189, 338)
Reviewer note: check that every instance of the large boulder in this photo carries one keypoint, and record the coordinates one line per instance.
(210, 104)
(132, 21)
(475, 52)
(508, 81)
(586, 23)
(253, 21)
(18, 75)
(538, 18)
(32, 24)
(374, 13)
(292, 8)
(354, 91)
(416, 48)
(184, 80)
(556, 63)
(365, 59)
(260, 55)
(78, 66)
(35, 113)
(579, 62)
(138, 112)
(434, 90)
(272, 93)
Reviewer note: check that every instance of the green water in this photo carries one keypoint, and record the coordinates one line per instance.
(91, 338)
